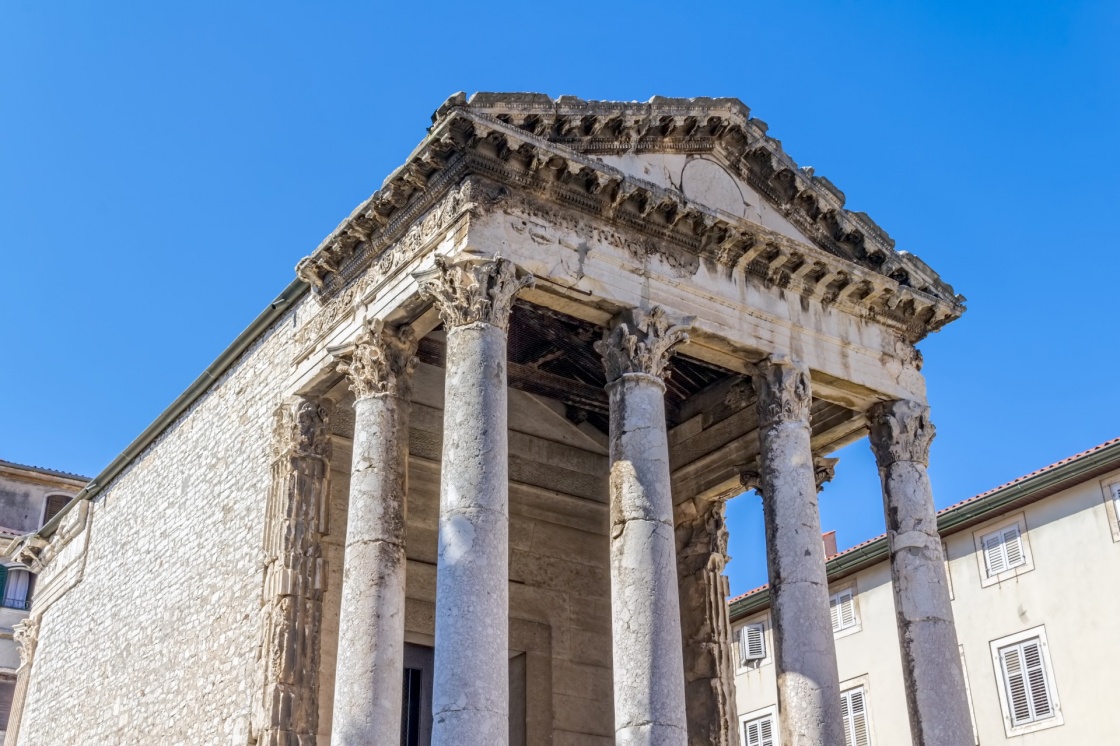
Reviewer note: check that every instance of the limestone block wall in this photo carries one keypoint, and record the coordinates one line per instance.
(157, 642)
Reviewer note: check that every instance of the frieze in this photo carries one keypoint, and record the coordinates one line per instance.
(549, 150)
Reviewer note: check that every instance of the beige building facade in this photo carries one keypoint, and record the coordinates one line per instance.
(1032, 565)
(30, 496)
(484, 441)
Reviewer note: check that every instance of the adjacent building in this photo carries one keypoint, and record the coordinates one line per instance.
(30, 497)
(1033, 568)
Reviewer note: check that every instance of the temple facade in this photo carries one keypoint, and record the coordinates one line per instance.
(463, 481)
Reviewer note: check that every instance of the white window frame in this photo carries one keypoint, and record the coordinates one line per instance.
(765, 660)
(1002, 524)
(948, 570)
(857, 623)
(765, 712)
(1110, 487)
(861, 682)
(1001, 685)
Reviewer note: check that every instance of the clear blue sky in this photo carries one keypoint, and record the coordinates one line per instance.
(164, 165)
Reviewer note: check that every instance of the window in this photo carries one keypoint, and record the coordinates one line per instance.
(854, 706)
(1114, 490)
(752, 643)
(15, 587)
(842, 605)
(1026, 680)
(1003, 550)
(760, 731)
(55, 504)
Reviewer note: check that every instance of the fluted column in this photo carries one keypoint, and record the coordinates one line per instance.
(367, 698)
(26, 635)
(804, 648)
(709, 655)
(649, 703)
(470, 701)
(901, 434)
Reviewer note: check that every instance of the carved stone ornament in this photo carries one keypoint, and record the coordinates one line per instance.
(751, 479)
(642, 345)
(784, 391)
(310, 429)
(824, 470)
(26, 635)
(473, 292)
(381, 361)
(900, 431)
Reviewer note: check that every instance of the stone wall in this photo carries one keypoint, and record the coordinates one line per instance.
(157, 641)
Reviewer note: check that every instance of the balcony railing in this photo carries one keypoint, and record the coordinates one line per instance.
(16, 602)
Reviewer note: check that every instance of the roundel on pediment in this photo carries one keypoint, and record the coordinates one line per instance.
(710, 184)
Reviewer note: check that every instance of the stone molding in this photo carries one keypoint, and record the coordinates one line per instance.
(473, 292)
(294, 576)
(550, 150)
(784, 391)
(900, 431)
(381, 361)
(642, 343)
(824, 470)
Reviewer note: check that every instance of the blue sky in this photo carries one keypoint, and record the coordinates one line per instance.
(164, 165)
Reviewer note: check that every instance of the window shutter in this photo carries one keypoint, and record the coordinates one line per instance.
(993, 554)
(1041, 706)
(1017, 700)
(1013, 547)
(3, 581)
(55, 503)
(752, 643)
(759, 732)
(854, 707)
(842, 607)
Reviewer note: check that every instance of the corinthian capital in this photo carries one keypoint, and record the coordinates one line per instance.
(784, 391)
(472, 292)
(900, 431)
(381, 361)
(824, 470)
(26, 635)
(641, 344)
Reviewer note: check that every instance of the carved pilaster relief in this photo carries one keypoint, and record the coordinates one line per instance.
(901, 431)
(473, 292)
(642, 343)
(824, 470)
(26, 635)
(294, 576)
(380, 361)
(709, 662)
(784, 391)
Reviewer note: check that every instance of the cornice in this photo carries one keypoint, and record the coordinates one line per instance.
(550, 152)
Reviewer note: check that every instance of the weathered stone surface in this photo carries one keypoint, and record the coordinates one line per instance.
(804, 649)
(709, 664)
(367, 693)
(471, 687)
(649, 701)
(901, 434)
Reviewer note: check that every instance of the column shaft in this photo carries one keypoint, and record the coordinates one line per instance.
(935, 695)
(367, 701)
(649, 700)
(470, 701)
(804, 648)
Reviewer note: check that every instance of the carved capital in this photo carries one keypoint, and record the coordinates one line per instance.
(381, 361)
(784, 391)
(751, 480)
(26, 635)
(309, 429)
(824, 469)
(473, 292)
(642, 343)
(900, 431)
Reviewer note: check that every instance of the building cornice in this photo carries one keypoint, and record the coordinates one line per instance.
(553, 154)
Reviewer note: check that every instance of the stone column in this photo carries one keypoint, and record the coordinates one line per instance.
(470, 700)
(901, 434)
(804, 648)
(649, 703)
(26, 635)
(295, 573)
(367, 694)
(709, 653)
